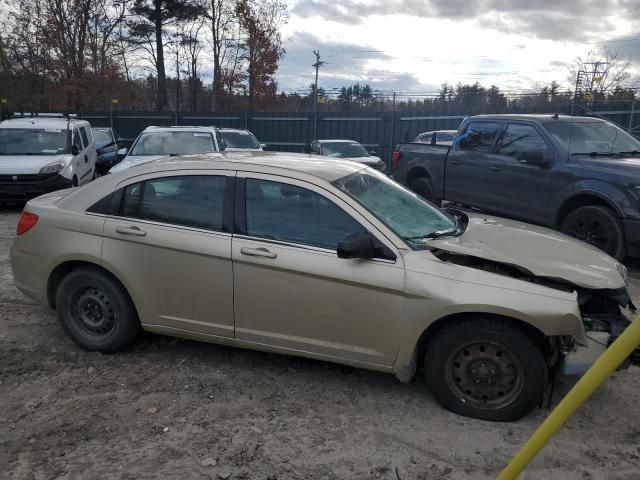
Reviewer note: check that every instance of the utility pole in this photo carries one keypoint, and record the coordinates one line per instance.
(317, 66)
(177, 82)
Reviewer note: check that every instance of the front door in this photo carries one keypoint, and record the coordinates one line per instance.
(171, 246)
(290, 288)
(517, 184)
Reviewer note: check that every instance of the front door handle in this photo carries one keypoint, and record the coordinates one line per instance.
(131, 231)
(495, 168)
(258, 252)
(454, 162)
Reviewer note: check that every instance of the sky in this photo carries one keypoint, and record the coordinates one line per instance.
(416, 45)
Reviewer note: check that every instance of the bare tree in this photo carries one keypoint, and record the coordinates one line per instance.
(601, 71)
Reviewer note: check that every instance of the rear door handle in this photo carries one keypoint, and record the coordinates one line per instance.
(454, 162)
(131, 231)
(258, 252)
(495, 168)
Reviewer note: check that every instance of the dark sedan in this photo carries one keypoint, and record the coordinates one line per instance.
(107, 148)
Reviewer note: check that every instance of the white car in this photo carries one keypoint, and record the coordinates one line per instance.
(347, 150)
(41, 154)
(161, 142)
(240, 140)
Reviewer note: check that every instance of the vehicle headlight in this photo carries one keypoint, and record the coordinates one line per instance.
(53, 167)
(622, 270)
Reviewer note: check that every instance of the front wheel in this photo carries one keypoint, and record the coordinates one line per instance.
(484, 368)
(599, 226)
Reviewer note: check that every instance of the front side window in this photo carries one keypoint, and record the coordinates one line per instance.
(403, 212)
(344, 150)
(478, 137)
(522, 142)
(192, 201)
(173, 143)
(33, 141)
(288, 213)
(85, 138)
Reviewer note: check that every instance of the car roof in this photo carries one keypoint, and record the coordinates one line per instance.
(226, 129)
(173, 128)
(42, 122)
(336, 141)
(257, 161)
(542, 118)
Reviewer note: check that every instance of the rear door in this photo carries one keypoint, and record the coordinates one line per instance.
(467, 163)
(84, 164)
(516, 187)
(171, 243)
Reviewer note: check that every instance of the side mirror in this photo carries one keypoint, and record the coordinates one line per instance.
(75, 150)
(263, 146)
(363, 245)
(120, 154)
(372, 152)
(537, 158)
(307, 148)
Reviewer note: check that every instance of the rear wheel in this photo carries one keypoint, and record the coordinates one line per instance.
(487, 369)
(96, 311)
(599, 226)
(422, 187)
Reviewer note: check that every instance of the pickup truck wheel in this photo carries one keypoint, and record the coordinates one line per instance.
(598, 226)
(486, 369)
(96, 311)
(422, 187)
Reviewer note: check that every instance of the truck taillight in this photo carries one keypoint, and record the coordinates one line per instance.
(395, 159)
(26, 222)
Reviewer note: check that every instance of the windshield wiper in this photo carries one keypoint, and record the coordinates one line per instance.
(457, 230)
(595, 154)
(630, 152)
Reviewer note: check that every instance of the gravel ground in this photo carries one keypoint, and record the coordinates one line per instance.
(170, 408)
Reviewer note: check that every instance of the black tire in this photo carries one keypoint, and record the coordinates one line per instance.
(96, 311)
(599, 226)
(422, 187)
(484, 368)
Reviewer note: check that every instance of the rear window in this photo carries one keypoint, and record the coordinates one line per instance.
(174, 143)
(240, 140)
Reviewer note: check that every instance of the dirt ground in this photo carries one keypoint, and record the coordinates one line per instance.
(171, 408)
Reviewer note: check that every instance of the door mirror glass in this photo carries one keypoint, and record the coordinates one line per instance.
(358, 245)
(535, 157)
(75, 150)
(121, 153)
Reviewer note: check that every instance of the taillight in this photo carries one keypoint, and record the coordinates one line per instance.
(395, 159)
(26, 222)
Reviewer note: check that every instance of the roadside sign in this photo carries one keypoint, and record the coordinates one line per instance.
(114, 101)
(3, 100)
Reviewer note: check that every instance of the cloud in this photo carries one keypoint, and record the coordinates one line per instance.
(346, 63)
(566, 20)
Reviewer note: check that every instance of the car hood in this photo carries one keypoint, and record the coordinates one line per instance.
(629, 165)
(536, 250)
(132, 160)
(371, 160)
(27, 164)
(237, 149)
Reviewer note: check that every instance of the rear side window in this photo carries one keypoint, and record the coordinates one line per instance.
(478, 137)
(192, 201)
(76, 139)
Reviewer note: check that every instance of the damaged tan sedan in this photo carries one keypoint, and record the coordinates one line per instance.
(324, 259)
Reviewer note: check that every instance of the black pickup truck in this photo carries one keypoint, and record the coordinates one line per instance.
(579, 175)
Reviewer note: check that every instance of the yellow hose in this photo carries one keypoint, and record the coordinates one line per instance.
(611, 359)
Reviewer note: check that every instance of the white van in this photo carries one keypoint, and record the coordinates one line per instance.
(44, 153)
